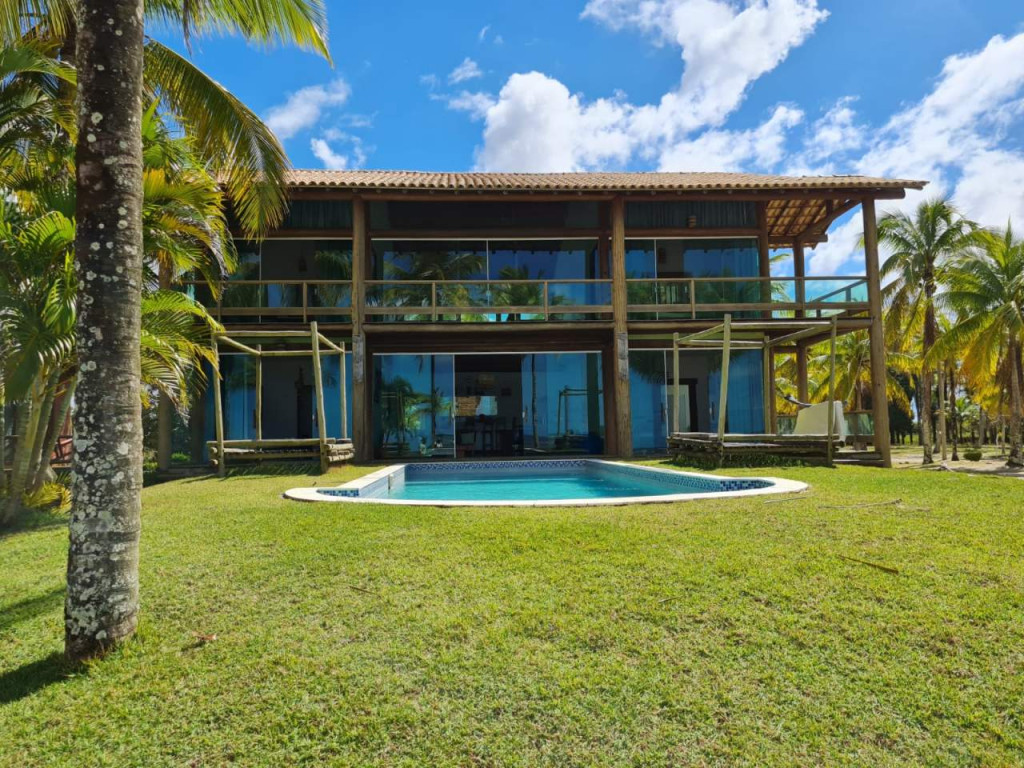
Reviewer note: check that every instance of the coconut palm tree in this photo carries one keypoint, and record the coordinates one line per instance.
(987, 294)
(228, 136)
(921, 247)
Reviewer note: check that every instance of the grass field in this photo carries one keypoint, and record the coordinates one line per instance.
(715, 632)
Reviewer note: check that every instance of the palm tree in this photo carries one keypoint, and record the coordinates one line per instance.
(228, 136)
(987, 294)
(921, 248)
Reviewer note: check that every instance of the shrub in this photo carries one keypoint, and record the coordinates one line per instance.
(973, 455)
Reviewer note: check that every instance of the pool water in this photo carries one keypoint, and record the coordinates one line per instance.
(536, 482)
(541, 486)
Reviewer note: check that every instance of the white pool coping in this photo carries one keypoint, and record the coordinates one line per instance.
(778, 485)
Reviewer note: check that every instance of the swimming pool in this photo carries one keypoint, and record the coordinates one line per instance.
(547, 482)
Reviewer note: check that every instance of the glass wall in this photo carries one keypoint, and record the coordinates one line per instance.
(405, 269)
(652, 391)
(690, 213)
(674, 261)
(238, 397)
(488, 405)
(413, 401)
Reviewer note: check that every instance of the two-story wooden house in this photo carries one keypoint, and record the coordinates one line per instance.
(497, 315)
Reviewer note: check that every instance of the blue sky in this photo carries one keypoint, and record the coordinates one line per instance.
(928, 89)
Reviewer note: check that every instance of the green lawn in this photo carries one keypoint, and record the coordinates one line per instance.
(715, 632)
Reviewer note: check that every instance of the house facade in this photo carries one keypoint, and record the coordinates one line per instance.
(502, 315)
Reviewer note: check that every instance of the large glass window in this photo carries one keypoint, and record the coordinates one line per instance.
(488, 405)
(238, 397)
(652, 393)
(476, 275)
(413, 401)
(318, 214)
(674, 261)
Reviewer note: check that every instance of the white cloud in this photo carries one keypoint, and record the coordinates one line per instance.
(333, 159)
(760, 148)
(477, 104)
(537, 125)
(467, 70)
(836, 131)
(724, 47)
(482, 35)
(431, 80)
(303, 108)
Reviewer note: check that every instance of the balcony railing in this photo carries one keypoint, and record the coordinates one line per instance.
(701, 297)
(279, 300)
(490, 301)
(470, 301)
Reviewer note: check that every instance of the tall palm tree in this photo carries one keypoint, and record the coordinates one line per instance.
(229, 137)
(987, 294)
(921, 248)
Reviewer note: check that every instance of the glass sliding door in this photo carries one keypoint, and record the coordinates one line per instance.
(413, 401)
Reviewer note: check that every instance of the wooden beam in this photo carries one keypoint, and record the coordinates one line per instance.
(831, 392)
(764, 256)
(675, 383)
(800, 273)
(362, 440)
(218, 408)
(879, 401)
(318, 386)
(768, 377)
(620, 320)
(343, 404)
(801, 373)
(259, 394)
(723, 391)
(237, 345)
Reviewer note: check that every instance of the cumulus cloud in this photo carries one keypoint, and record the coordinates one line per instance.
(724, 47)
(477, 104)
(333, 159)
(467, 70)
(303, 108)
(535, 124)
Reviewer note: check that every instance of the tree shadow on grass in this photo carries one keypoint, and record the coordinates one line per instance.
(34, 676)
(35, 520)
(30, 607)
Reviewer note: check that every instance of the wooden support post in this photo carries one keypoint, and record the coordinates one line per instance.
(318, 387)
(831, 392)
(764, 257)
(723, 392)
(768, 377)
(343, 404)
(879, 401)
(799, 272)
(218, 409)
(259, 392)
(675, 382)
(802, 390)
(362, 439)
(620, 304)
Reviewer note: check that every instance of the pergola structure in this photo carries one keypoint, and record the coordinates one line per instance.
(327, 450)
(753, 334)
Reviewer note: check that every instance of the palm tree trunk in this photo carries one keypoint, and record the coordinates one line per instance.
(44, 419)
(926, 378)
(102, 603)
(954, 416)
(26, 421)
(940, 420)
(44, 472)
(1015, 459)
(164, 407)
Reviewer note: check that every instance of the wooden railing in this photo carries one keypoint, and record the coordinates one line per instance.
(487, 300)
(280, 299)
(467, 301)
(671, 298)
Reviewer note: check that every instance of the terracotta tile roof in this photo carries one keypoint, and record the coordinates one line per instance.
(584, 182)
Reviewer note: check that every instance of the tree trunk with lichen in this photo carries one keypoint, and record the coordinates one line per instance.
(102, 603)
(1015, 458)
